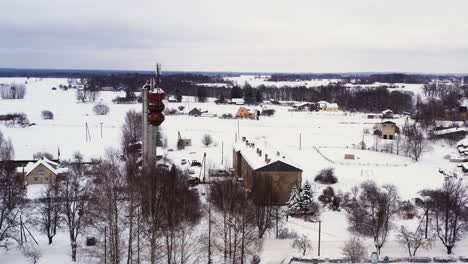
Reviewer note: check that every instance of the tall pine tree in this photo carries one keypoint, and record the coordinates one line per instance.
(307, 199)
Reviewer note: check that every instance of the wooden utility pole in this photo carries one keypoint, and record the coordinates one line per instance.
(222, 152)
(300, 141)
(101, 130)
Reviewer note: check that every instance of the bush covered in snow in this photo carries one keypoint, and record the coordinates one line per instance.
(326, 176)
(12, 91)
(101, 109)
(285, 233)
(47, 114)
(207, 140)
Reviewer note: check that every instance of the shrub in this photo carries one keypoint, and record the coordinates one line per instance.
(354, 250)
(407, 210)
(47, 114)
(181, 108)
(101, 109)
(207, 140)
(326, 176)
(285, 233)
(268, 112)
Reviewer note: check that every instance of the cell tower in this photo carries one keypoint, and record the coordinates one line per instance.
(152, 96)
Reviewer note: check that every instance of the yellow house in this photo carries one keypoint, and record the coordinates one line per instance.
(245, 113)
(40, 172)
(389, 129)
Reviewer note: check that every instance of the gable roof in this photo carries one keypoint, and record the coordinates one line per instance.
(278, 166)
(42, 161)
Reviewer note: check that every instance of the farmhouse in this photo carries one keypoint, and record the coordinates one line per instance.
(40, 172)
(245, 113)
(252, 161)
(388, 129)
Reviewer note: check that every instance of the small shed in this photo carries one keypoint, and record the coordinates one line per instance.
(195, 112)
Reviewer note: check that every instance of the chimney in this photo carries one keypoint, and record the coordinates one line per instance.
(260, 152)
(243, 139)
(266, 158)
(278, 153)
(246, 142)
(252, 145)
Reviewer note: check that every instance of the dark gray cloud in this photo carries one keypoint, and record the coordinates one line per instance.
(242, 35)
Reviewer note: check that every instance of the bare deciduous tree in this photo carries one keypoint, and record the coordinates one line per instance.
(302, 244)
(49, 210)
(449, 211)
(11, 191)
(373, 212)
(413, 240)
(75, 192)
(354, 250)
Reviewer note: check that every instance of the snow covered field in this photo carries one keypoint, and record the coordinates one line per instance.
(333, 134)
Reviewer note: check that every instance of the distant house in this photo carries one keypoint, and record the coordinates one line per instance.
(195, 112)
(253, 162)
(245, 113)
(172, 99)
(326, 106)
(238, 101)
(388, 129)
(40, 172)
(387, 114)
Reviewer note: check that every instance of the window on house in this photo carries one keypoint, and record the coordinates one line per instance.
(36, 179)
(47, 179)
(41, 170)
(390, 137)
(384, 136)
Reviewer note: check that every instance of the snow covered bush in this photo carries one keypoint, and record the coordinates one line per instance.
(13, 91)
(207, 140)
(354, 250)
(407, 210)
(294, 203)
(326, 176)
(302, 244)
(101, 109)
(255, 259)
(47, 114)
(33, 254)
(285, 233)
(330, 199)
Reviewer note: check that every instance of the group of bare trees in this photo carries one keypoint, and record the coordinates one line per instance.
(11, 193)
(12, 91)
(373, 211)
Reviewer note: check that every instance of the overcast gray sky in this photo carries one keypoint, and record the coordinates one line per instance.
(237, 35)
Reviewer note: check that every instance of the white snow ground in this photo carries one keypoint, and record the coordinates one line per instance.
(333, 133)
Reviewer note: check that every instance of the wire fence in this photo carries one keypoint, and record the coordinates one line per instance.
(358, 163)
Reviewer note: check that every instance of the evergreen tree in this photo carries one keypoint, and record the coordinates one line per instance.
(294, 203)
(236, 92)
(178, 95)
(307, 200)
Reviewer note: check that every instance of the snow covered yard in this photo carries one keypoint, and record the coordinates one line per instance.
(297, 134)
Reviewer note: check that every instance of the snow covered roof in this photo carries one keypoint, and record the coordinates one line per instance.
(449, 131)
(463, 142)
(42, 161)
(260, 155)
(387, 111)
(388, 122)
(332, 105)
(238, 100)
